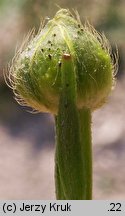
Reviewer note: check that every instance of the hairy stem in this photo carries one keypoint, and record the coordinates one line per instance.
(73, 142)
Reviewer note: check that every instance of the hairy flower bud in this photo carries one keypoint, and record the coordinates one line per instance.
(37, 69)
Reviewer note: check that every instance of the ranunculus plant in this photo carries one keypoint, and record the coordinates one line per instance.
(68, 71)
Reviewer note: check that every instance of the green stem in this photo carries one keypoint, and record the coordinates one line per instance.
(73, 142)
(86, 147)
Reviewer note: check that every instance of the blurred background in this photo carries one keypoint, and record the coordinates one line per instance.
(27, 140)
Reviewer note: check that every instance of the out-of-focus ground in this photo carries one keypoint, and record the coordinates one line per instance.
(109, 147)
(27, 152)
(27, 141)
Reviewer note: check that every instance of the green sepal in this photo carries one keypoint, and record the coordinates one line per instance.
(69, 165)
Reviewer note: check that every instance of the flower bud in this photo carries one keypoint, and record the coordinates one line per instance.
(37, 69)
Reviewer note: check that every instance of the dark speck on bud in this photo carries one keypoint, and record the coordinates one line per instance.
(66, 105)
(49, 41)
(60, 64)
(50, 56)
(54, 35)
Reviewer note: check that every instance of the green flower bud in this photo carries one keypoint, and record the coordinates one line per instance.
(37, 69)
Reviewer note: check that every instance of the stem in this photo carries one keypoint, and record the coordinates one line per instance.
(86, 146)
(73, 142)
